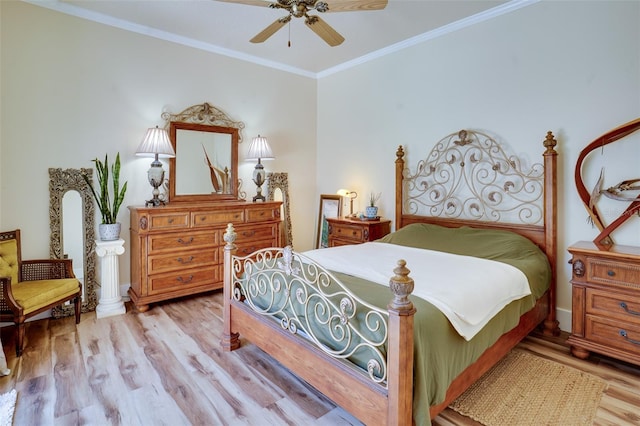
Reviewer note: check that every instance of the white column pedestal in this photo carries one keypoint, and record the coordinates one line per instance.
(110, 302)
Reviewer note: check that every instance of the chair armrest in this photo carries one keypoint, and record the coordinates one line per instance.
(47, 269)
(8, 302)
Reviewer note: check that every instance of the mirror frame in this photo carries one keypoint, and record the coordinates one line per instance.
(204, 118)
(60, 182)
(281, 181)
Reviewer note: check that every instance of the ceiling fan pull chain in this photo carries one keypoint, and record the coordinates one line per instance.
(289, 42)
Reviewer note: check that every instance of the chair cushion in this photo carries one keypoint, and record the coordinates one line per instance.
(33, 295)
(9, 259)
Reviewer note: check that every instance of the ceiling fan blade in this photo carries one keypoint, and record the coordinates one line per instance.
(355, 5)
(265, 3)
(324, 30)
(270, 30)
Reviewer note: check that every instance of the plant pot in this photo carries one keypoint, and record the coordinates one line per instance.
(371, 212)
(109, 231)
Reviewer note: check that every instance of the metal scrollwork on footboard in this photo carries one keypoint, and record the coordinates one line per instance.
(310, 301)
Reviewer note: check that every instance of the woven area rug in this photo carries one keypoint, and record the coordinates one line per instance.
(524, 389)
(7, 407)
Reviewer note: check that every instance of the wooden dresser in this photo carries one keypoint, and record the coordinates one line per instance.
(343, 231)
(177, 250)
(606, 301)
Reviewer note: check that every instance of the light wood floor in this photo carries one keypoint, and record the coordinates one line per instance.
(165, 367)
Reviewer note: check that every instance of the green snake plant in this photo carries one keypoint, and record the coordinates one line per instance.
(102, 196)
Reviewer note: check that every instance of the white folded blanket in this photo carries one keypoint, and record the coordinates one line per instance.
(468, 290)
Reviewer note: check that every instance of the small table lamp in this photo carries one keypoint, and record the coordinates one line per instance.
(259, 150)
(156, 142)
(351, 195)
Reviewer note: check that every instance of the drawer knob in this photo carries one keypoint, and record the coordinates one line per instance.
(181, 241)
(248, 233)
(623, 333)
(611, 273)
(188, 260)
(182, 280)
(624, 306)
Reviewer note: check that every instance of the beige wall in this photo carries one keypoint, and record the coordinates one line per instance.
(73, 90)
(569, 67)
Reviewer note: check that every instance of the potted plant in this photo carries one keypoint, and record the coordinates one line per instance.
(371, 211)
(109, 229)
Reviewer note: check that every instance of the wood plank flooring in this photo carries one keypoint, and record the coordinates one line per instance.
(166, 367)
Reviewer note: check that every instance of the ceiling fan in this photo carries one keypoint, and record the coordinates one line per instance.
(300, 8)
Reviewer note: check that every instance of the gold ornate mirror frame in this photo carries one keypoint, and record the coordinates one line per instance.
(209, 125)
(281, 181)
(60, 183)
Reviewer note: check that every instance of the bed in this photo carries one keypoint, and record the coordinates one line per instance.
(380, 352)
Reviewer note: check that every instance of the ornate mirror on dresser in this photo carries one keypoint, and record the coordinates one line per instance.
(205, 167)
(72, 233)
(176, 248)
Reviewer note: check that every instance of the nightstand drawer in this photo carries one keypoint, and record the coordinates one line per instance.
(613, 334)
(348, 232)
(611, 304)
(612, 273)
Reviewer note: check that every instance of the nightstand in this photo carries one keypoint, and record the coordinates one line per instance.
(344, 231)
(605, 301)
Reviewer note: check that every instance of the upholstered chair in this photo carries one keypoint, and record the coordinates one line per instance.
(32, 286)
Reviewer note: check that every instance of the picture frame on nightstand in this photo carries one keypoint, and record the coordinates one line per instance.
(330, 206)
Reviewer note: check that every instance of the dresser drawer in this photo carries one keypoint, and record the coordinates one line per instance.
(168, 221)
(251, 233)
(205, 219)
(184, 280)
(181, 260)
(609, 272)
(613, 334)
(248, 247)
(348, 232)
(261, 214)
(607, 303)
(183, 241)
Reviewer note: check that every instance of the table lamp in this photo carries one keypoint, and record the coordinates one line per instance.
(259, 150)
(156, 142)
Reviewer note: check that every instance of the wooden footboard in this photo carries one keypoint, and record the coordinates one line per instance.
(387, 401)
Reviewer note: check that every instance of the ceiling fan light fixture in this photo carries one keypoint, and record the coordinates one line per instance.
(321, 6)
(299, 9)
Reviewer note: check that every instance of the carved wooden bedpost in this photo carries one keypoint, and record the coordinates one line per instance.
(399, 186)
(400, 356)
(230, 340)
(551, 324)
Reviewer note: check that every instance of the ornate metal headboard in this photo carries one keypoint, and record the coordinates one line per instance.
(467, 175)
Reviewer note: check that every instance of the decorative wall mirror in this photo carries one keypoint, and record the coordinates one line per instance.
(279, 185)
(205, 167)
(72, 231)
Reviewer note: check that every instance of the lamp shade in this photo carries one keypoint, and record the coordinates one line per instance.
(259, 149)
(156, 142)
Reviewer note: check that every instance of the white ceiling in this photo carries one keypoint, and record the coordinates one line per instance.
(226, 28)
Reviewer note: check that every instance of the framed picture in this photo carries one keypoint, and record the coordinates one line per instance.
(330, 206)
